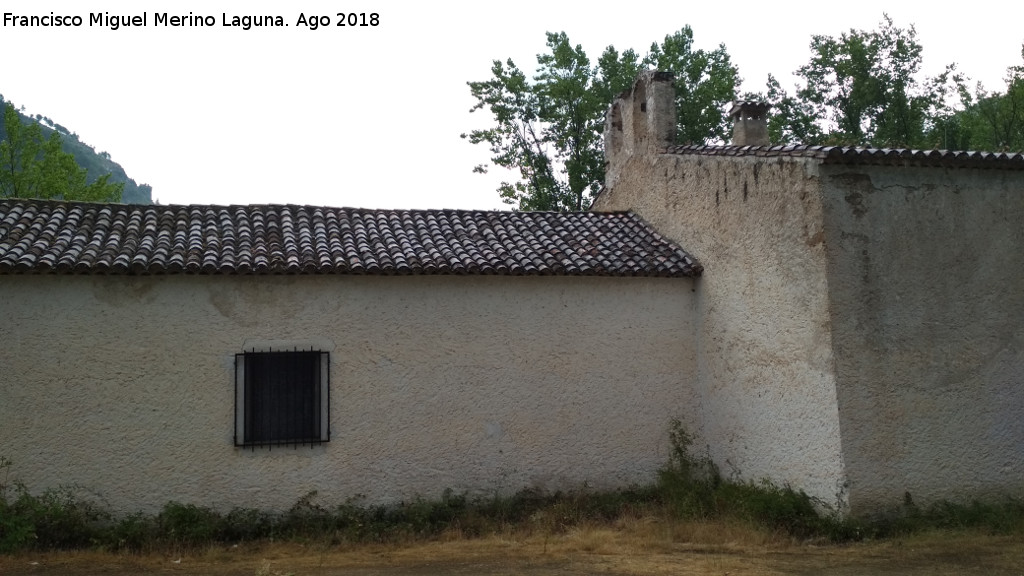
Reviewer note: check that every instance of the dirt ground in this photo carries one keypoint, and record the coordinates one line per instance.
(609, 552)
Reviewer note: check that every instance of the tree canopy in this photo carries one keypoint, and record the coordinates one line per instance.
(865, 88)
(35, 167)
(705, 83)
(862, 88)
(991, 121)
(549, 128)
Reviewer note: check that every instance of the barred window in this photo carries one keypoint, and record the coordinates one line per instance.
(282, 398)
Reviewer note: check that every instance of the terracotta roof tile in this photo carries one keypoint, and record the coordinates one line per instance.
(873, 156)
(39, 236)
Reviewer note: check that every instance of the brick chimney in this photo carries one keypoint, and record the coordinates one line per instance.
(750, 123)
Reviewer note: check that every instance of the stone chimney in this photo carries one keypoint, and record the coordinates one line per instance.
(750, 123)
(641, 122)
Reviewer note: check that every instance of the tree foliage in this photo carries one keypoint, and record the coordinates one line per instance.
(705, 83)
(549, 128)
(863, 88)
(35, 167)
(988, 120)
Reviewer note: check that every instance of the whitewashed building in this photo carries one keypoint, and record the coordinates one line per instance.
(848, 321)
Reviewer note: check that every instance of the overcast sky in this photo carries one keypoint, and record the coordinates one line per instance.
(371, 116)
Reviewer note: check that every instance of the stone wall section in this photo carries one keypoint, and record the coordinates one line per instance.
(766, 375)
(926, 277)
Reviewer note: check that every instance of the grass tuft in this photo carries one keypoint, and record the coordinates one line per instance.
(689, 502)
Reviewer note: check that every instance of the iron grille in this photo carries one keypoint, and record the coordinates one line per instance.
(282, 397)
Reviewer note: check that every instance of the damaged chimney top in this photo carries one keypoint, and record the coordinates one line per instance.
(750, 123)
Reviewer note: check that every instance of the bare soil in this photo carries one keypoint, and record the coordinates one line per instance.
(635, 549)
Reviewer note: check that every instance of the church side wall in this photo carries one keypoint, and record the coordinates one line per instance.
(124, 386)
(926, 276)
(766, 378)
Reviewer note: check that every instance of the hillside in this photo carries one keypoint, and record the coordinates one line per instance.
(96, 163)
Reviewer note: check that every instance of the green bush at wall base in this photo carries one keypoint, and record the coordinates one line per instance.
(57, 518)
(687, 487)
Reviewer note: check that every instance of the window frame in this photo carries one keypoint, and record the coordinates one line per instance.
(314, 409)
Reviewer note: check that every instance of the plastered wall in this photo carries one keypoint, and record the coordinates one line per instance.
(124, 386)
(926, 277)
(766, 376)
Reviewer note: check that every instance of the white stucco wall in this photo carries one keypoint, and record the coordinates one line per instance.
(926, 276)
(125, 385)
(766, 377)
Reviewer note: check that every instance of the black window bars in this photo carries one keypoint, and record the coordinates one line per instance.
(282, 398)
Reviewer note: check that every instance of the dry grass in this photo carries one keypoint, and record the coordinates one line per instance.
(647, 545)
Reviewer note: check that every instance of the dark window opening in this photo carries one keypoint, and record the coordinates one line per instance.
(281, 398)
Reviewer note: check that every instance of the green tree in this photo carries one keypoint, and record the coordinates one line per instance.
(792, 119)
(35, 167)
(549, 129)
(863, 89)
(989, 120)
(705, 84)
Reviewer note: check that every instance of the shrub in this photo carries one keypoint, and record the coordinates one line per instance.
(54, 519)
(133, 532)
(692, 487)
(16, 530)
(688, 486)
(305, 518)
(188, 525)
(57, 518)
(248, 524)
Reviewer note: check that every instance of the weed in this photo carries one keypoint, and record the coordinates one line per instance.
(188, 525)
(248, 524)
(133, 532)
(1005, 517)
(691, 486)
(306, 517)
(688, 487)
(57, 518)
(15, 530)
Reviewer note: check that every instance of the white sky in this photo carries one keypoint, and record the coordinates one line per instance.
(371, 117)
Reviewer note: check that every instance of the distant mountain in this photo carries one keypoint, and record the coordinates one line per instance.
(95, 163)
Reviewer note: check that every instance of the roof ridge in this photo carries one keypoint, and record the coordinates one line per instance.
(305, 207)
(862, 155)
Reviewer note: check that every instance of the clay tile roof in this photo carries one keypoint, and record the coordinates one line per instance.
(42, 236)
(872, 156)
